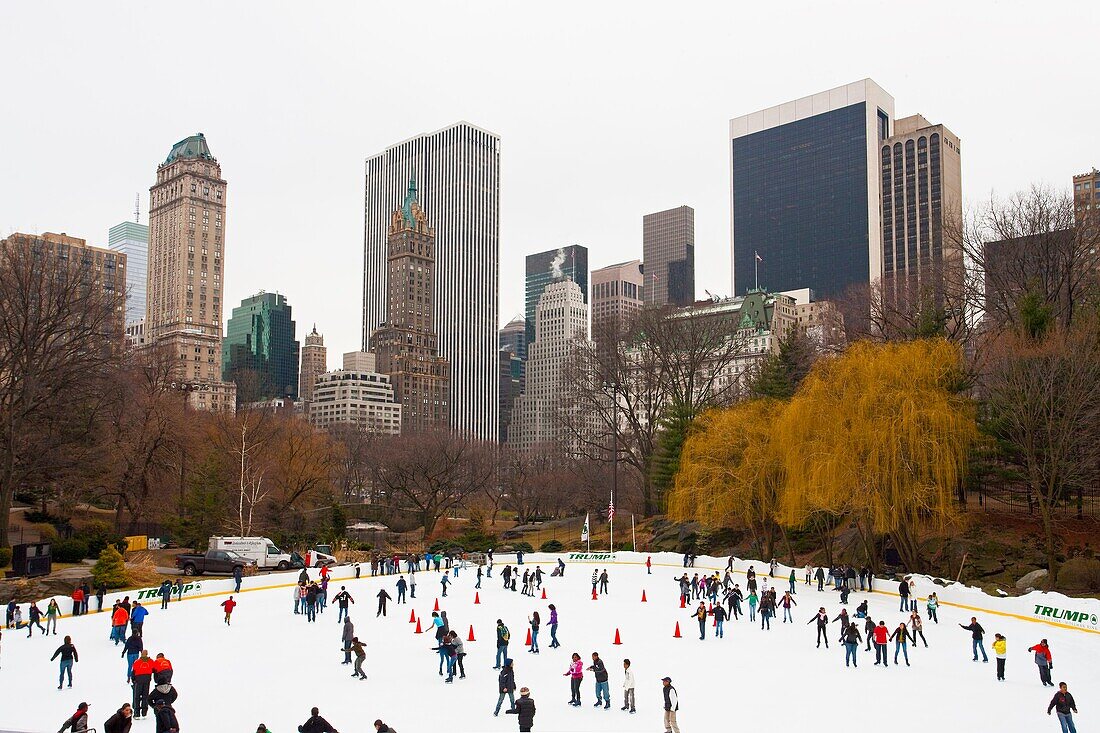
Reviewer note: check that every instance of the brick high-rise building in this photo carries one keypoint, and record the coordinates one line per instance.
(668, 251)
(1086, 196)
(186, 268)
(314, 362)
(617, 294)
(406, 346)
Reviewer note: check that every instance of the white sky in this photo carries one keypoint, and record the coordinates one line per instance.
(606, 111)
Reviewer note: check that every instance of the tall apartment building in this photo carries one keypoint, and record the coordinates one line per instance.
(513, 337)
(314, 362)
(551, 266)
(1086, 196)
(355, 395)
(804, 191)
(617, 294)
(561, 324)
(458, 170)
(668, 251)
(103, 266)
(186, 264)
(406, 345)
(259, 352)
(132, 240)
(921, 185)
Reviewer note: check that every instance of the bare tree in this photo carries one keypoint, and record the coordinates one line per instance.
(1042, 403)
(60, 335)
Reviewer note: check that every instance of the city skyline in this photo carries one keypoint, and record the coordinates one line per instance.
(556, 161)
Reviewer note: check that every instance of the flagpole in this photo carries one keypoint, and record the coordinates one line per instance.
(633, 537)
(612, 520)
(756, 270)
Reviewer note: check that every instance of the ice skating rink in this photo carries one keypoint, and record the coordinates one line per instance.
(271, 666)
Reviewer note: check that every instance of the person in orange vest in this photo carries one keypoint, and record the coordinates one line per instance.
(119, 618)
(228, 605)
(143, 676)
(162, 670)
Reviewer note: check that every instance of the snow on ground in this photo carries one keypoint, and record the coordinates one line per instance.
(271, 666)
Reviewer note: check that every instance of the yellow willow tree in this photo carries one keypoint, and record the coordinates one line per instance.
(879, 435)
(731, 470)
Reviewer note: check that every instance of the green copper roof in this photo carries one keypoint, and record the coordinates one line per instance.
(190, 147)
(410, 198)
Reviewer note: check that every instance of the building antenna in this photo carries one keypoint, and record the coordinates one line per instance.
(137, 208)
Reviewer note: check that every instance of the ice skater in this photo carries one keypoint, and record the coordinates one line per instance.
(228, 605)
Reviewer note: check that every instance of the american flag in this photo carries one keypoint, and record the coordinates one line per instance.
(758, 257)
(611, 509)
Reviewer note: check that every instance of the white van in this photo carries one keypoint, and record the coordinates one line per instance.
(261, 549)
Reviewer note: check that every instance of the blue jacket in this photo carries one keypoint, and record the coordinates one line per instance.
(139, 614)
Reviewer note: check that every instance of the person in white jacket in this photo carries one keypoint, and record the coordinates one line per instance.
(628, 687)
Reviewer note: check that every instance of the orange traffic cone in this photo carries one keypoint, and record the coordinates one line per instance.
(676, 634)
(412, 616)
(617, 640)
(544, 594)
(683, 601)
(471, 636)
(477, 598)
(436, 605)
(715, 624)
(528, 642)
(643, 595)
(421, 631)
(593, 594)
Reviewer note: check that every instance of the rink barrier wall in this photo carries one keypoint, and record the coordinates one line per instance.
(225, 586)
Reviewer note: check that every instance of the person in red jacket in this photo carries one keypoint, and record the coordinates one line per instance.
(228, 605)
(78, 600)
(162, 670)
(882, 637)
(1043, 661)
(143, 675)
(119, 618)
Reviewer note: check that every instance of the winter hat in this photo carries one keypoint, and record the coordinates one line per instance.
(508, 662)
(524, 692)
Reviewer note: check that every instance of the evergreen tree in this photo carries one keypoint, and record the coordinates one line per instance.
(781, 372)
(110, 569)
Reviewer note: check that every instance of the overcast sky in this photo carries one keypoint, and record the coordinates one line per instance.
(606, 111)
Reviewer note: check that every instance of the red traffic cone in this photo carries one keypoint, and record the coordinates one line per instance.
(676, 634)
(412, 616)
(418, 629)
(471, 636)
(710, 608)
(477, 598)
(683, 601)
(436, 605)
(528, 642)
(593, 594)
(544, 594)
(643, 595)
(617, 640)
(715, 624)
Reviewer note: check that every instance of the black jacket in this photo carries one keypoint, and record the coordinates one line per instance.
(166, 719)
(525, 709)
(975, 629)
(506, 681)
(164, 692)
(316, 724)
(117, 723)
(600, 670)
(851, 635)
(903, 589)
(1062, 702)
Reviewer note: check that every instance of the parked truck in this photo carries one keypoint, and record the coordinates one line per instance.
(261, 550)
(214, 561)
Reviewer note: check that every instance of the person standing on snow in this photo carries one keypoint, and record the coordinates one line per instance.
(672, 705)
(142, 673)
(554, 626)
(603, 581)
(932, 603)
(753, 600)
(719, 613)
(503, 636)
(132, 650)
(524, 709)
(1065, 705)
(1000, 649)
(535, 622)
(1043, 661)
(851, 644)
(819, 576)
(460, 654)
(479, 575)
(53, 612)
(976, 635)
(34, 618)
(228, 605)
(882, 637)
(316, 724)
(575, 673)
(903, 594)
(312, 592)
(383, 596)
(786, 603)
(343, 598)
(412, 585)
(238, 572)
(917, 628)
(700, 615)
(119, 618)
(68, 655)
(137, 618)
(445, 581)
(628, 687)
(822, 618)
(900, 637)
(402, 586)
(869, 631)
(602, 690)
(506, 685)
(346, 636)
(356, 646)
(165, 593)
(595, 580)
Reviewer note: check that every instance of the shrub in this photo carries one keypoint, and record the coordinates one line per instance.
(551, 546)
(522, 547)
(37, 516)
(70, 550)
(476, 540)
(5, 556)
(109, 569)
(1080, 573)
(98, 535)
(46, 532)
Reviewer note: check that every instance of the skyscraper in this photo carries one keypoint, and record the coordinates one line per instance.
(132, 240)
(314, 362)
(514, 337)
(668, 251)
(544, 268)
(260, 353)
(617, 293)
(1086, 197)
(921, 184)
(186, 261)
(804, 191)
(406, 346)
(561, 323)
(458, 173)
